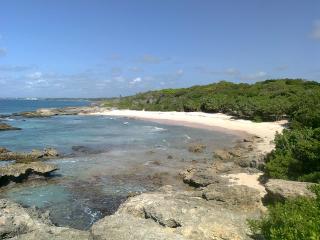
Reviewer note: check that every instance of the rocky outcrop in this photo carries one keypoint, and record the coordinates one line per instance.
(22, 157)
(201, 177)
(171, 214)
(18, 223)
(279, 190)
(20, 171)
(7, 127)
(49, 112)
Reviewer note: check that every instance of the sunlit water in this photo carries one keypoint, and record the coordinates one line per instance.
(104, 160)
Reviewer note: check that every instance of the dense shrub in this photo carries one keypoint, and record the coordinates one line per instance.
(295, 219)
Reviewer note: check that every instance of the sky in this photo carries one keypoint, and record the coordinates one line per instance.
(107, 48)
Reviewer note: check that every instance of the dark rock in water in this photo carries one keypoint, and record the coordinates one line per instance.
(3, 150)
(20, 171)
(34, 155)
(280, 190)
(49, 112)
(26, 224)
(7, 127)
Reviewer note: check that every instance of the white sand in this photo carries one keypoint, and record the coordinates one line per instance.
(265, 130)
(250, 180)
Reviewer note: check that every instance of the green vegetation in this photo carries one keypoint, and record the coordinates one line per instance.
(268, 100)
(296, 219)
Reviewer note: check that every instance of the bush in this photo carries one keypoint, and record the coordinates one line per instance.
(296, 156)
(295, 219)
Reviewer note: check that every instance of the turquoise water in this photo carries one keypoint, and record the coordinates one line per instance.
(8, 106)
(103, 160)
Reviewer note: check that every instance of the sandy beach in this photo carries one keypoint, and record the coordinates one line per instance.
(215, 121)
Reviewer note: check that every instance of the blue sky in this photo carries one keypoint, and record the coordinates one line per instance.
(101, 48)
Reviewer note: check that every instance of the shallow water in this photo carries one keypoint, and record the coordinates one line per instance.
(105, 160)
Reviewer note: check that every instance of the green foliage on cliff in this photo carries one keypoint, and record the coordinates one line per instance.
(295, 219)
(263, 101)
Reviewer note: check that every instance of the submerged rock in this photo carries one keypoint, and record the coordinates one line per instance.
(17, 222)
(278, 189)
(20, 171)
(7, 127)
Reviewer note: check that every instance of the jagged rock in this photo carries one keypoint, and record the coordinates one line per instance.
(17, 223)
(196, 148)
(34, 155)
(7, 127)
(20, 171)
(201, 177)
(278, 189)
(155, 215)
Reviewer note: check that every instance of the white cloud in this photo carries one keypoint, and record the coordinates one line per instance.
(35, 75)
(315, 34)
(180, 72)
(135, 80)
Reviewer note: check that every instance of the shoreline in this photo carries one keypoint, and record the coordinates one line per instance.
(211, 121)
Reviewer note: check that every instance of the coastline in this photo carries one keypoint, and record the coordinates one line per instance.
(214, 121)
(223, 193)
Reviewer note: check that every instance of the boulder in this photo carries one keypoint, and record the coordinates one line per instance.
(239, 196)
(17, 222)
(279, 190)
(201, 177)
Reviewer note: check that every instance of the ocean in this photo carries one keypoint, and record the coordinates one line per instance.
(103, 159)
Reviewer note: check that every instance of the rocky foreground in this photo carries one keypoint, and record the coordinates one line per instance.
(215, 205)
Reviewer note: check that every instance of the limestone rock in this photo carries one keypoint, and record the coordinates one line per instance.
(17, 223)
(201, 177)
(279, 189)
(177, 212)
(128, 227)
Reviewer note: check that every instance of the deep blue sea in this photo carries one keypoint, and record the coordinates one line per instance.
(103, 159)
